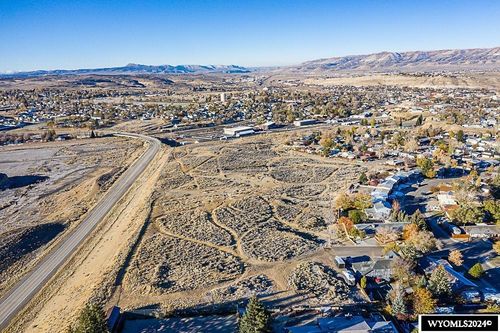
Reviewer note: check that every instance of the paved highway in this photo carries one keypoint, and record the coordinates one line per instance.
(21, 293)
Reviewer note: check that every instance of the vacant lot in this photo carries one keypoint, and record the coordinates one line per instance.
(45, 189)
(469, 80)
(235, 218)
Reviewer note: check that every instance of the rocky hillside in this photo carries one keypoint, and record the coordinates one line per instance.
(138, 69)
(407, 61)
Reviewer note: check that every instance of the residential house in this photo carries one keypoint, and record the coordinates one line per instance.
(347, 324)
(458, 281)
(381, 209)
(376, 268)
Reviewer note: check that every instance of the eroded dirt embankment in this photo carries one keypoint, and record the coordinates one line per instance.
(45, 190)
(92, 272)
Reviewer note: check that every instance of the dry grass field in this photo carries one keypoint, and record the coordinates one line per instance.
(469, 80)
(233, 218)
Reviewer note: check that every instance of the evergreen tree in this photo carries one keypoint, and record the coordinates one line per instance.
(439, 282)
(363, 179)
(418, 218)
(398, 304)
(256, 318)
(422, 282)
(476, 271)
(91, 320)
(356, 216)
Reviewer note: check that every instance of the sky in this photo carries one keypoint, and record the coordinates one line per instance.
(43, 34)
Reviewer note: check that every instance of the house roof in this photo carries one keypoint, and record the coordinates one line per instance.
(367, 266)
(355, 324)
(458, 279)
(381, 206)
(492, 230)
(304, 329)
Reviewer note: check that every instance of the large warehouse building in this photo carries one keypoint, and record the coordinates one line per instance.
(238, 131)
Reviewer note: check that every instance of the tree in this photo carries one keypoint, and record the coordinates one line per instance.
(431, 173)
(476, 271)
(423, 241)
(386, 235)
(411, 145)
(326, 142)
(492, 308)
(410, 230)
(363, 179)
(345, 225)
(398, 304)
(409, 252)
(419, 121)
(460, 136)
(492, 207)
(356, 216)
(403, 270)
(467, 213)
(362, 201)
(362, 282)
(456, 258)
(92, 319)
(343, 202)
(422, 282)
(359, 201)
(495, 187)
(418, 218)
(256, 318)
(427, 167)
(423, 303)
(49, 135)
(391, 247)
(439, 282)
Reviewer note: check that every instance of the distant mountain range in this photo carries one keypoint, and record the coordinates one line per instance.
(480, 59)
(407, 61)
(137, 69)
